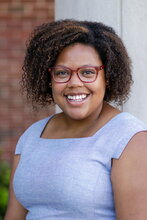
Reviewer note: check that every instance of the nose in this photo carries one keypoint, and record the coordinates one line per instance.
(74, 80)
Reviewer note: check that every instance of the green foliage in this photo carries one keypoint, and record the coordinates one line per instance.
(4, 184)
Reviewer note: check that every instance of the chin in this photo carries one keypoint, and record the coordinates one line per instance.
(76, 116)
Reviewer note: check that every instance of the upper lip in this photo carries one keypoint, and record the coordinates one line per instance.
(75, 94)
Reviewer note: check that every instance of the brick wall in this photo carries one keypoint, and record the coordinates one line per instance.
(17, 19)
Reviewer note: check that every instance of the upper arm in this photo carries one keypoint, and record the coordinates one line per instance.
(15, 211)
(129, 180)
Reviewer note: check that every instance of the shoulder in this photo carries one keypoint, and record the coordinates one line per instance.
(133, 160)
(136, 148)
(31, 133)
(135, 152)
(128, 124)
(123, 129)
(35, 128)
(39, 123)
(130, 120)
(129, 177)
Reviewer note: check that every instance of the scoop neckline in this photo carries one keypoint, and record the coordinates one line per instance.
(80, 138)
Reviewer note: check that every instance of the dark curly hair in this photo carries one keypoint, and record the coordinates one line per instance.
(49, 39)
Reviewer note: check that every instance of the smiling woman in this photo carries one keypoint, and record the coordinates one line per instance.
(77, 164)
(77, 98)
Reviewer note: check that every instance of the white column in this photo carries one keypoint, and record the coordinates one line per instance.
(128, 18)
(134, 33)
(106, 11)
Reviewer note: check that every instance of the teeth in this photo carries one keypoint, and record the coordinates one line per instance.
(76, 97)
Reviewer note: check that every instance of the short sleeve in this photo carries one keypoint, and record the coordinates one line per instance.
(22, 141)
(128, 128)
(19, 145)
(123, 143)
(30, 134)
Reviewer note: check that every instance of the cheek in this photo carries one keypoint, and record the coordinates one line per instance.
(98, 87)
(102, 84)
(57, 90)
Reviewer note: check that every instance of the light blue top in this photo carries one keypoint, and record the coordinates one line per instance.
(69, 179)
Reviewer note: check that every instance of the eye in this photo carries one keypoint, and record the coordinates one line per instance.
(90, 72)
(61, 73)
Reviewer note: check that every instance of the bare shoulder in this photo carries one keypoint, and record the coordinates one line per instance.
(129, 179)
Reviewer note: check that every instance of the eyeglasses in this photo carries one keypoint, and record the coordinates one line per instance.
(86, 74)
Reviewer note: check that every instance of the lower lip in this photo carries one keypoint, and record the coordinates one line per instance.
(75, 102)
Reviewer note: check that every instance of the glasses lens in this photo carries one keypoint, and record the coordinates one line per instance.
(87, 74)
(61, 74)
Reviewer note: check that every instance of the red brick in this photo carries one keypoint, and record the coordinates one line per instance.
(17, 20)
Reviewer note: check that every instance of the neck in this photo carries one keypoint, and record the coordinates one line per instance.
(72, 124)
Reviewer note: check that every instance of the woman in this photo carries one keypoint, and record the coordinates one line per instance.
(89, 161)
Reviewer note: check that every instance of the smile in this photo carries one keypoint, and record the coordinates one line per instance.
(77, 98)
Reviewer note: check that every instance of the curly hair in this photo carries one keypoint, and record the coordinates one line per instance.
(49, 39)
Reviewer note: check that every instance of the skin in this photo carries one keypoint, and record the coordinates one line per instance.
(85, 55)
(129, 180)
(79, 118)
(129, 172)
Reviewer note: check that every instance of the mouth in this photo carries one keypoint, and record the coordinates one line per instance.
(76, 98)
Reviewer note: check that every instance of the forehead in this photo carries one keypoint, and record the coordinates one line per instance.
(78, 54)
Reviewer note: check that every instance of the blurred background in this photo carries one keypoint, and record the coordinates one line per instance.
(18, 18)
